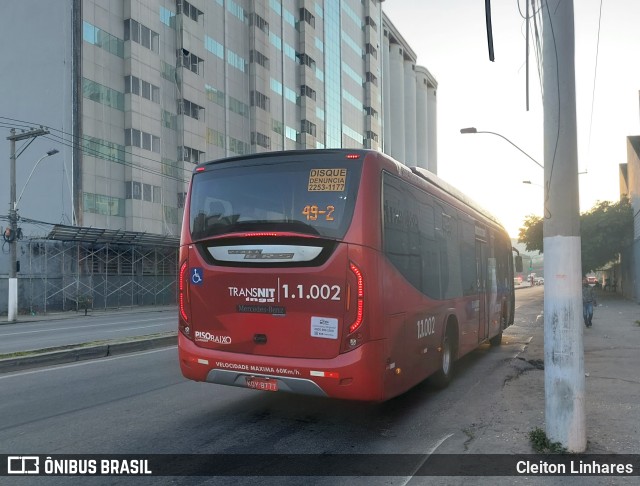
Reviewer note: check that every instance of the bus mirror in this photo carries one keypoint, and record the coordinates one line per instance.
(518, 263)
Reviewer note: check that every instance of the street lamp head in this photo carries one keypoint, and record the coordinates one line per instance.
(526, 182)
(469, 130)
(52, 152)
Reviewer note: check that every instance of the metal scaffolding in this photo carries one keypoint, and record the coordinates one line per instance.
(74, 268)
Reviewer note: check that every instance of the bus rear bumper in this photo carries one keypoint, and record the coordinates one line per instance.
(356, 375)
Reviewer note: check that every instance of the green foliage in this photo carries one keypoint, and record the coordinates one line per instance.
(531, 233)
(605, 230)
(542, 445)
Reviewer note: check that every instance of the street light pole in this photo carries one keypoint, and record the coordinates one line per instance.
(48, 154)
(11, 233)
(475, 130)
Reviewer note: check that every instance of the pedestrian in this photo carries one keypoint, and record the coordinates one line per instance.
(588, 301)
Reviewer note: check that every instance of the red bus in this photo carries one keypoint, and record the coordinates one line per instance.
(338, 273)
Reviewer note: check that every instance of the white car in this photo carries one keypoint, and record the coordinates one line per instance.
(539, 281)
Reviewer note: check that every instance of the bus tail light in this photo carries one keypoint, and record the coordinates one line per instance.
(183, 300)
(359, 298)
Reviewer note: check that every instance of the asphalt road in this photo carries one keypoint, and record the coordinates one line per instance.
(140, 404)
(26, 336)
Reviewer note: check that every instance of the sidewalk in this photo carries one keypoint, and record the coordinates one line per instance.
(72, 314)
(612, 388)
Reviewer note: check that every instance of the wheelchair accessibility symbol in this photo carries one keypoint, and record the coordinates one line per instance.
(196, 276)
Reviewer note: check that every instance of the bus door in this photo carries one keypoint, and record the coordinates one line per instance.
(481, 275)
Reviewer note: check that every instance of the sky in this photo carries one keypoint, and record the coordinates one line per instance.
(450, 40)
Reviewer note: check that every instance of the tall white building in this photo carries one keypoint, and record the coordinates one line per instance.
(136, 92)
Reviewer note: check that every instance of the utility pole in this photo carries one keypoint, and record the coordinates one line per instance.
(563, 343)
(11, 234)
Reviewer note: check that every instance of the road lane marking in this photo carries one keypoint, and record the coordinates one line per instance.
(427, 456)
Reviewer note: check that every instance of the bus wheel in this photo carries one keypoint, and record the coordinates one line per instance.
(443, 377)
(496, 340)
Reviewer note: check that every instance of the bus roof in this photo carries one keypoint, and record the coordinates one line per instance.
(287, 153)
(449, 189)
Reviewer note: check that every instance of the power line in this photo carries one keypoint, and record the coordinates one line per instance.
(74, 143)
(595, 72)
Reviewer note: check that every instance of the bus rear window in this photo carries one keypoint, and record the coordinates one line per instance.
(304, 196)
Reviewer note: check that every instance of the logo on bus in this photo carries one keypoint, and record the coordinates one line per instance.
(212, 338)
(254, 294)
(426, 327)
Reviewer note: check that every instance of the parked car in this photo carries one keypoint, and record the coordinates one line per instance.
(539, 281)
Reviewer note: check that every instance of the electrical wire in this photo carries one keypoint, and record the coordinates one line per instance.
(74, 143)
(593, 94)
(555, 149)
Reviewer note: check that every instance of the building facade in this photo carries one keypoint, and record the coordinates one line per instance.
(136, 92)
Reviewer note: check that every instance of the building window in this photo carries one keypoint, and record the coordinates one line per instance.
(169, 120)
(103, 95)
(142, 192)
(237, 106)
(291, 133)
(371, 78)
(215, 137)
(182, 197)
(238, 146)
(258, 58)
(307, 127)
(369, 49)
(371, 112)
(277, 126)
(257, 21)
(186, 107)
(143, 140)
(184, 7)
(142, 88)
(214, 47)
(136, 32)
(370, 22)
(214, 94)
(188, 154)
(103, 149)
(306, 60)
(369, 135)
(168, 71)
(101, 204)
(235, 60)
(104, 40)
(308, 92)
(260, 100)
(190, 61)
(306, 16)
(261, 139)
(167, 17)
(236, 10)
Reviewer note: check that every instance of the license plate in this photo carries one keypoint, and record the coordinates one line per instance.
(264, 384)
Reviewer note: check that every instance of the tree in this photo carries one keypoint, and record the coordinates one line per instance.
(606, 230)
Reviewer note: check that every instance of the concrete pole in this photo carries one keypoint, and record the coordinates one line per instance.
(12, 305)
(563, 326)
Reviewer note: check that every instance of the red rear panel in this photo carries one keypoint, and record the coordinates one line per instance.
(286, 312)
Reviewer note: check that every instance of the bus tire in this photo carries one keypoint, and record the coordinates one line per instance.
(442, 377)
(496, 340)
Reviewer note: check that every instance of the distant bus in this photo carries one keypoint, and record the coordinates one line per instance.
(338, 273)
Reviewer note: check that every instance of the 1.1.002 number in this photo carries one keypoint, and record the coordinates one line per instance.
(315, 292)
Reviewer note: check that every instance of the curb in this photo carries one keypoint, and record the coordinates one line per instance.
(43, 358)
